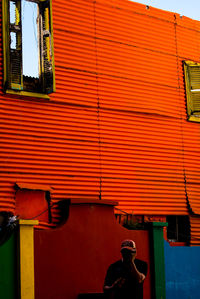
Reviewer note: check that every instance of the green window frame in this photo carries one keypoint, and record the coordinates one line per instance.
(192, 84)
(14, 80)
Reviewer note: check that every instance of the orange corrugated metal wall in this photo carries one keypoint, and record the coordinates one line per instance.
(116, 128)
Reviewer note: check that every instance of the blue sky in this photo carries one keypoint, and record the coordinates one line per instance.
(30, 49)
(30, 39)
(188, 8)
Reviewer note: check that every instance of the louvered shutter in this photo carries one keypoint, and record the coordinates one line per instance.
(15, 78)
(192, 78)
(194, 75)
(46, 47)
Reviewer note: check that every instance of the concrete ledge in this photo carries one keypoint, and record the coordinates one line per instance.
(28, 222)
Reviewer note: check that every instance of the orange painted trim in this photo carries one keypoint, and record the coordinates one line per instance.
(174, 244)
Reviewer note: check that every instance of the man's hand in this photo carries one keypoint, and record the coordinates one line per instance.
(142, 277)
(118, 283)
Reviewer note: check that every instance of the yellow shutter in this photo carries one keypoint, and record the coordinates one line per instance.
(192, 82)
(47, 47)
(15, 77)
(12, 50)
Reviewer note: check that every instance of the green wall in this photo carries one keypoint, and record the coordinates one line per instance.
(7, 269)
(158, 260)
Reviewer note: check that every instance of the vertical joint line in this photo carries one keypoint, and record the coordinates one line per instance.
(182, 138)
(177, 56)
(98, 102)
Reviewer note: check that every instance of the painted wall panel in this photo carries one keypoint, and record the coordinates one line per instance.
(8, 266)
(194, 227)
(134, 29)
(182, 272)
(81, 250)
(116, 127)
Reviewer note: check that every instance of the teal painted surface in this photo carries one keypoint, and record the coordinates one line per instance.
(182, 272)
(158, 260)
(7, 269)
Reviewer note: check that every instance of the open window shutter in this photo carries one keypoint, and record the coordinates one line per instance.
(15, 79)
(192, 77)
(46, 46)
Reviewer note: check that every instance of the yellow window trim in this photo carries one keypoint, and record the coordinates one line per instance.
(28, 93)
(5, 29)
(194, 118)
(5, 44)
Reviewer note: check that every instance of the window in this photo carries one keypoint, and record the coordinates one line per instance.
(28, 47)
(192, 83)
(178, 229)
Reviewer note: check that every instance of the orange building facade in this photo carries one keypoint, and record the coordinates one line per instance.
(116, 127)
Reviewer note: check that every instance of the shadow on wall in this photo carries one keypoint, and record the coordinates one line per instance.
(73, 258)
(182, 270)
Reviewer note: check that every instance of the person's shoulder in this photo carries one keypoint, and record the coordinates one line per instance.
(142, 266)
(140, 262)
(116, 264)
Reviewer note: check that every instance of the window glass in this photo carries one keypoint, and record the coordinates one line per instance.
(30, 39)
(13, 39)
(12, 12)
(178, 229)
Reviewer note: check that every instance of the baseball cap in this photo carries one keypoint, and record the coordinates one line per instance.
(128, 244)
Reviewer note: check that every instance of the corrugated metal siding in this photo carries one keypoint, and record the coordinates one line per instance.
(56, 142)
(140, 119)
(195, 230)
(116, 127)
(188, 45)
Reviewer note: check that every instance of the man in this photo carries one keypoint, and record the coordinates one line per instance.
(124, 278)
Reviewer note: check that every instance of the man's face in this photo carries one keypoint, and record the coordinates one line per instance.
(128, 255)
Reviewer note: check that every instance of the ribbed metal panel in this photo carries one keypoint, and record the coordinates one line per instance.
(56, 142)
(142, 163)
(195, 230)
(130, 27)
(116, 128)
(140, 120)
(188, 36)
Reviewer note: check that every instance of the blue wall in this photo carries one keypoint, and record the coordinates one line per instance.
(182, 271)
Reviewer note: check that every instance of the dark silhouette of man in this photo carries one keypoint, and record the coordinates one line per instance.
(124, 278)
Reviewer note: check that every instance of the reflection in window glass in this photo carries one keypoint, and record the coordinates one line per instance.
(12, 12)
(30, 38)
(13, 43)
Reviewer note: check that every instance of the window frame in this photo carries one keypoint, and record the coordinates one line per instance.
(175, 228)
(6, 54)
(190, 101)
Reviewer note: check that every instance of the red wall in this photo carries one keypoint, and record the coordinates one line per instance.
(74, 258)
